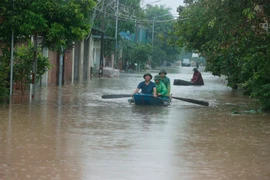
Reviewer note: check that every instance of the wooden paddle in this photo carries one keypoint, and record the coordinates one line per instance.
(203, 103)
(114, 96)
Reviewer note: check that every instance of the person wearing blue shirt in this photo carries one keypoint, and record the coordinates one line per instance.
(147, 86)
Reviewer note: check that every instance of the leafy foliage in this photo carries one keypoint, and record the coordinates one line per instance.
(131, 17)
(104, 19)
(58, 22)
(140, 53)
(23, 63)
(129, 11)
(229, 35)
(4, 71)
(135, 52)
(163, 49)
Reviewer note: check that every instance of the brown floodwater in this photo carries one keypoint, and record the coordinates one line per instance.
(71, 133)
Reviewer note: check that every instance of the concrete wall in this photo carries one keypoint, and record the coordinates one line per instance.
(68, 66)
(44, 80)
(53, 72)
(84, 59)
(77, 62)
(97, 53)
(91, 54)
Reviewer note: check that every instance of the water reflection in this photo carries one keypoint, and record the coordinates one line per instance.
(71, 133)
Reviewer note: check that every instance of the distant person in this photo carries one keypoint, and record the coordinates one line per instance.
(197, 77)
(147, 86)
(166, 81)
(161, 88)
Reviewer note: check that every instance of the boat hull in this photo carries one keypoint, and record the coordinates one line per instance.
(180, 82)
(148, 99)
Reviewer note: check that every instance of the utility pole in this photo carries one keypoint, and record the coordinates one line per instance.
(116, 29)
(153, 26)
(101, 55)
(11, 67)
(61, 67)
(11, 62)
(153, 31)
(34, 74)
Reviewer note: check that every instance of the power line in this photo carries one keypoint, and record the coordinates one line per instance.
(134, 18)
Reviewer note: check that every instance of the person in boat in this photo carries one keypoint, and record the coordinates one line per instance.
(161, 88)
(166, 81)
(197, 77)
(147, 86)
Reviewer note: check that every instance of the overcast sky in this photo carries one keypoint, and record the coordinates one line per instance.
(173, 4)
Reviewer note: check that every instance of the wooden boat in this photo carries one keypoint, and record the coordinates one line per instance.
(180, 82)
(148, 99)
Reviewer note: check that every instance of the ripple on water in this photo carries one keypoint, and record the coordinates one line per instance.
(73, 133)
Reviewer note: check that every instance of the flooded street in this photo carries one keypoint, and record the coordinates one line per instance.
(73, 134)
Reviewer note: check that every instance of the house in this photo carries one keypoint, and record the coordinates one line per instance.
(80, 62)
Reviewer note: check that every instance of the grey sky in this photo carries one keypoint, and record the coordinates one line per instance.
(173, 4)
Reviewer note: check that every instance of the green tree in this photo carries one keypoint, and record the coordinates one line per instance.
(229, 35)
(58, 22)
(4, 69)
(163, 20)
(131, 17)
(129, 14)
(140, 53)
(23, 62)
